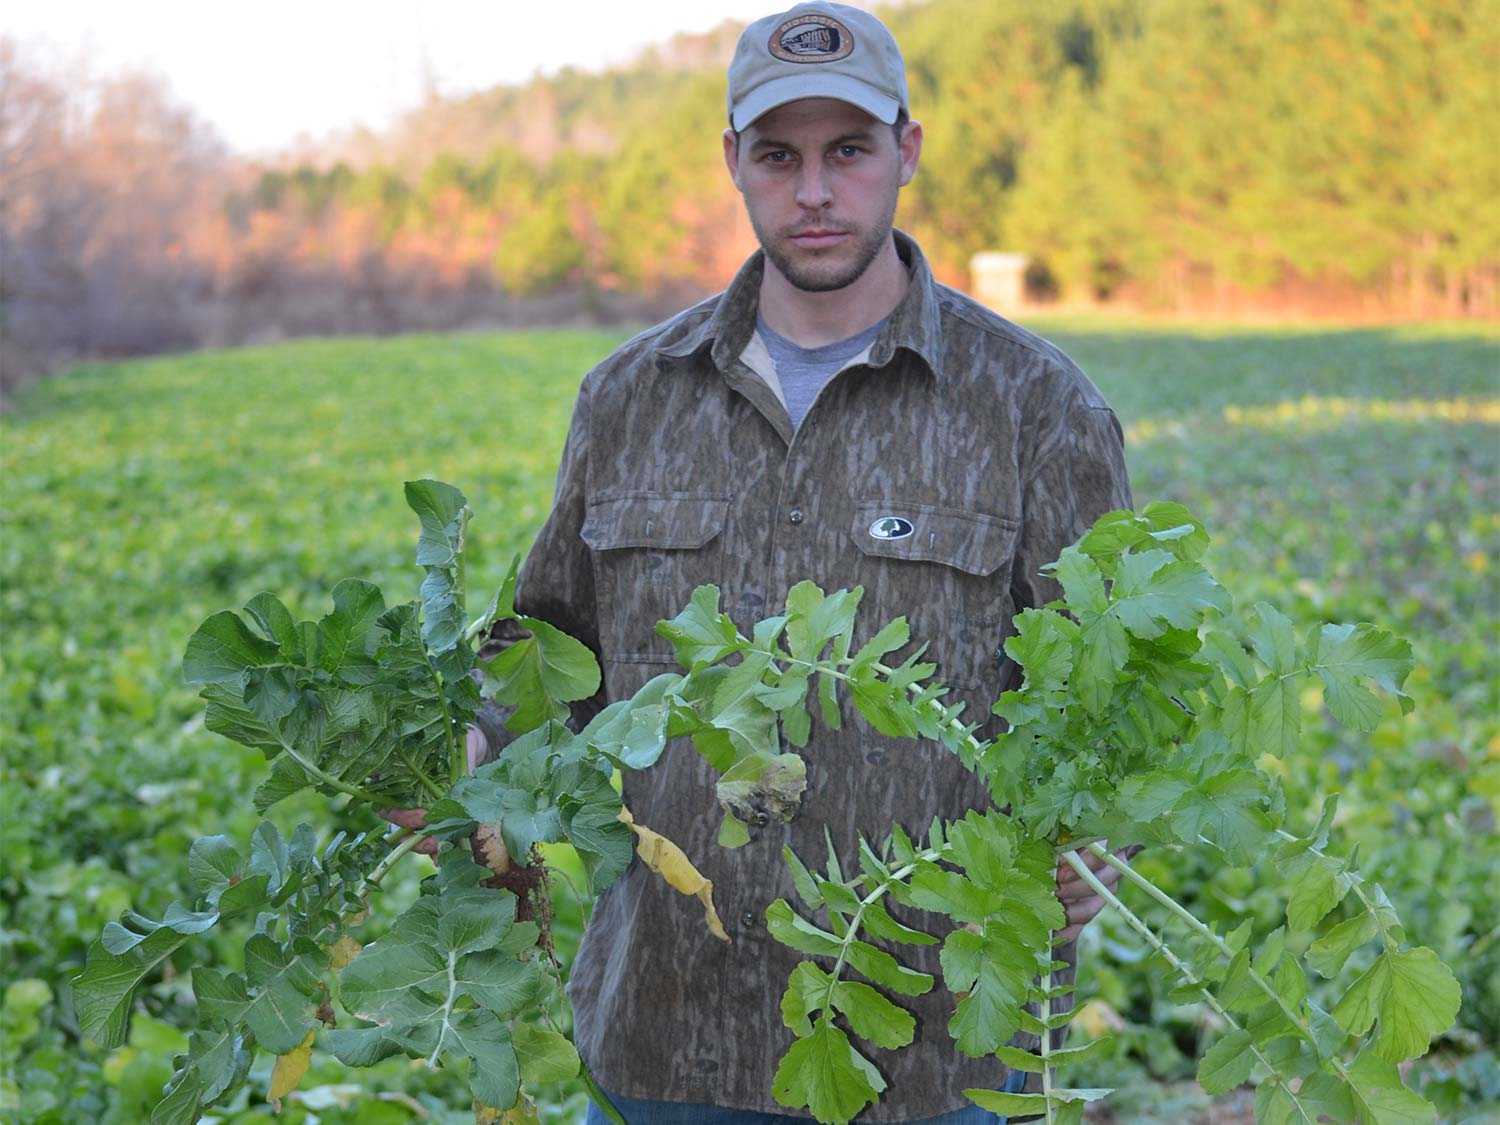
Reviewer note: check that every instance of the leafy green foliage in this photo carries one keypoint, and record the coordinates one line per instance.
(364, 702)
(539, 675)
(550, 785)
(1348, 473)
(441, 984)
(370, 703)
(1144, 716)
(1159, 737)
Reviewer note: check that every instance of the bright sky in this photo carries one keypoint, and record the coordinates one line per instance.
(264, 73)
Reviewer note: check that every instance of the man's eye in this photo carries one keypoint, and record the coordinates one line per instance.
(777, 156)
(848, 152)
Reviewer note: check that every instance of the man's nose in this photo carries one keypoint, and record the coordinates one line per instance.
(814, 190)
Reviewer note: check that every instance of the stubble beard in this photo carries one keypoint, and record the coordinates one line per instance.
(816, 274)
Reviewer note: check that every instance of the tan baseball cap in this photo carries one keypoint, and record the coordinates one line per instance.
(816, 50)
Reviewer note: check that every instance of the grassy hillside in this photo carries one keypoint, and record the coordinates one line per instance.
(1346, 476)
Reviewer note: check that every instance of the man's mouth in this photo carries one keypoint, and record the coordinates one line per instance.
(819, 238)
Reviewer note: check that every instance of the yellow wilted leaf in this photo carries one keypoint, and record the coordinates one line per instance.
(669, 861)
(1270, 763)
(341, 952)
(1096, 1018)
(289, 1070)
(524, 1112)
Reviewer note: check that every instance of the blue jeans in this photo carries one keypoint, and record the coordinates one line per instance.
(639, 1112)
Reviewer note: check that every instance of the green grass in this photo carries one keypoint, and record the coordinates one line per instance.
(140, 497)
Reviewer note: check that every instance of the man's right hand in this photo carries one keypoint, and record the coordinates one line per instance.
(416, 820)
(476, 751)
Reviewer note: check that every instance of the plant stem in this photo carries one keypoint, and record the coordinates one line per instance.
(597, 1095)
(427, 782)
(1078, 842)
(1044, 1046)
(1182, 970)
(829, 669)
(330, 780)
(458, 570)
(457, 762)
(432, 1059)
(1198, 928)
(408, 840)
(930, 855)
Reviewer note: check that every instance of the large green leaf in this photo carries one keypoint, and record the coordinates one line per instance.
(1345, 654)
(1328, 954)
(871, 1016)
(1152, 591)
(418, 982)
(1227, 1063)
(1412, 994)
(1229, 810)
(543, 1055)
(103, 992)
(284, 979)
(540, 675)
(440, 508)
(700, 634)
(824, 1073)
(348, 631)
(223, 649)
(632, 732)
(1043, 646)
(1381, 1099)
(212, 1065)
(995, 969)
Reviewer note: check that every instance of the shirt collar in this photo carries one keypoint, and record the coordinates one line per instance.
(915, 324)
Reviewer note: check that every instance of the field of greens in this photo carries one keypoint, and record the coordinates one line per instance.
(1346, 476)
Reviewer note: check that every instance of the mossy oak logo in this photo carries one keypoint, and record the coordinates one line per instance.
(891, 527)
(811, 39)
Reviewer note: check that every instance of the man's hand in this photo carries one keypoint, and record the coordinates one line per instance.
(1078, 899)
(476, 749)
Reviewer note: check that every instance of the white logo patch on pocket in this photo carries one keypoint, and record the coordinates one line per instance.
(891, 527)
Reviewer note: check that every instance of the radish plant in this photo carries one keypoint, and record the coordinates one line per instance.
(1146, 709)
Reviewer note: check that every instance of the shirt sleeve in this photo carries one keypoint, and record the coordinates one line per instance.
(556, 582)
(1078, 476)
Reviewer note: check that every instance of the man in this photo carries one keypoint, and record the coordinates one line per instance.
(836, 415)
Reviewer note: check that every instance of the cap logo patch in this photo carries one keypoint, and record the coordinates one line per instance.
(891, 527)
(811, 39)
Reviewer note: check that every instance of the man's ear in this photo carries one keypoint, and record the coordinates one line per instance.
(732, 156)
(911, 150)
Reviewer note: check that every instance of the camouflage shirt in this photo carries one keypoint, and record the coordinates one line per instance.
(681, 468)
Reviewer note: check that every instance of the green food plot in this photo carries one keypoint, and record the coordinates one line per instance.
(1348, 475)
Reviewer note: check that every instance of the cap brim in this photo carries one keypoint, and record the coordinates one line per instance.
(780, 91)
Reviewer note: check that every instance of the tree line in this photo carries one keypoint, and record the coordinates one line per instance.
(1201, 156)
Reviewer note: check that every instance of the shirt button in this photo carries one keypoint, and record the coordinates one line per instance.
(747, 919)
(795, 515)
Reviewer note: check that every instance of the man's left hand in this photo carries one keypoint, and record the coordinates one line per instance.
(1078, 899)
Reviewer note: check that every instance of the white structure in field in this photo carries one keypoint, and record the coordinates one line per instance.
(999, 280)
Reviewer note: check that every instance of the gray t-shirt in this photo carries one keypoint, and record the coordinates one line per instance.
(805, 371)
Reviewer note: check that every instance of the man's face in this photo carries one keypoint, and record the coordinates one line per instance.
(820, 179)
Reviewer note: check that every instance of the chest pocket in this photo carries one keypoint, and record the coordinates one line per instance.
(947, 571)
(650, 550)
